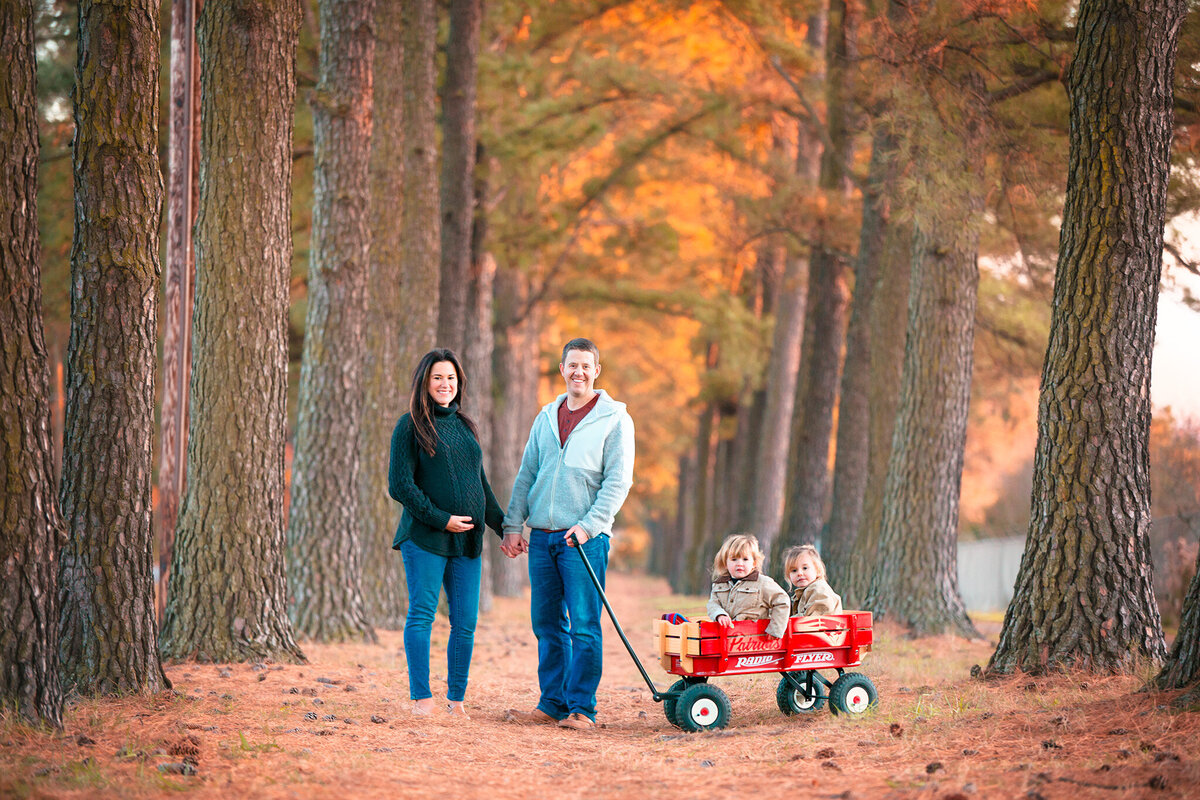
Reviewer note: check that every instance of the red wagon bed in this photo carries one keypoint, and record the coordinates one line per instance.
(697, 651)
(704, 648)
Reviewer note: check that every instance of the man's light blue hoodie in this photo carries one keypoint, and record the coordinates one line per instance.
(583, 482)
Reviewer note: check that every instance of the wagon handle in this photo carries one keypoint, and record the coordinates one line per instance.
(658, 697)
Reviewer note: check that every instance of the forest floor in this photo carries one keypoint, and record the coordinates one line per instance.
(937, 732)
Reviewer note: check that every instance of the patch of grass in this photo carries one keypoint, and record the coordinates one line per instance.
(85, 774)
(162, 781)
(14, 726)
(265, 747)
(19, 790)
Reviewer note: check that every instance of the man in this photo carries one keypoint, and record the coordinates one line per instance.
(574, 476)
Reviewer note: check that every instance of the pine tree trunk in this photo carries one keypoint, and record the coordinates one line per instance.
(477, 364)
(31, 530)
(725, 499)
(916, 577)
(854, 413)
(684, 525)
(770, 491)
(385, 377)
(828, 296)
(699, 547)
(179, 285)
(747, 458)
(812, 419)
(752, 410)
(227, 597)
(515, 384)
(888, 313)
(324, 554)
(1084, 596)
(419, 222)
(108, 636)
(1182, 667)
(458, 173)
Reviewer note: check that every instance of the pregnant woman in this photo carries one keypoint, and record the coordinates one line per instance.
(436, 472)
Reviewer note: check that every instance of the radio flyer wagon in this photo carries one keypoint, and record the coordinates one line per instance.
(697, 651)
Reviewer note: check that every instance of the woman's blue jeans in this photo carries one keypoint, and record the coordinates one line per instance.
(565, 611)
(426, 574)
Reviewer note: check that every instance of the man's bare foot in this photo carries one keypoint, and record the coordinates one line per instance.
(422, 708)
(457, 710)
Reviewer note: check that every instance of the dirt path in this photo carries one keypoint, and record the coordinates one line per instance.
(938, 733)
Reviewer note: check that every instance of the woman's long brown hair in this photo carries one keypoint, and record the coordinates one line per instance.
(420, 404)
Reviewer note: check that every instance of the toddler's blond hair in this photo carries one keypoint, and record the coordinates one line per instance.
(737, 544)
(793, 555)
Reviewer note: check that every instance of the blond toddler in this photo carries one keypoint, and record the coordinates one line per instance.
(740, 591)
(812, 595)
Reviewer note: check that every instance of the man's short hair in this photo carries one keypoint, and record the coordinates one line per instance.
(586, 345)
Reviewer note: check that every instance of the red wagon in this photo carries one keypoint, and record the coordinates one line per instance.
(699, 650)
(696, 651)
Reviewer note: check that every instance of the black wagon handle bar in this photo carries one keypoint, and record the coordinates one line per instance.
(612, 615)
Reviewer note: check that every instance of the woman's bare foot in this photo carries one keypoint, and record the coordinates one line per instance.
(457, 710)
(422, 708)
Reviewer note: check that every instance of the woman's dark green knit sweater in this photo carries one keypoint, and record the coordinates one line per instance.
(431, 488)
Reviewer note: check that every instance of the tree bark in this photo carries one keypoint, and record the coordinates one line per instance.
(684, 524)
(324, 555)
(108, 636)
(770, 491)
(1182, 667)
(828, 295)
(851, 470)
(458, 174)
(183, 155)
(888, 314)
(916, 578)
(812, 420)
(1084, 596)
(699, 546)
(32, 530)
(749, 463)
(747, 459)
(419, 222)
(478, 351)
(515, 356)
(477, 364)
(227, 597)
(385, 376)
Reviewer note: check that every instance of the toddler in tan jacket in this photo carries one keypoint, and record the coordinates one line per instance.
(740, 591)
(812, 595)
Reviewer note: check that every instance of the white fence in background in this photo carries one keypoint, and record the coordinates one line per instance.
(987, 572)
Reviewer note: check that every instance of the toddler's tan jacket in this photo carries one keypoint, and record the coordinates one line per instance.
(755, 596)
(816, 599)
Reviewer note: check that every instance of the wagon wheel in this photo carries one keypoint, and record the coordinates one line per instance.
(793, 701)
(670, 703)
(852, 694)
(702, 708)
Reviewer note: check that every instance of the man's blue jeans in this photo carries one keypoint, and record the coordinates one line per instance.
(426, 574)
(565, 610)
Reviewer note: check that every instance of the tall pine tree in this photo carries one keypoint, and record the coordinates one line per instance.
(324, 558)
(227, 598)
(109, 636)
(1084, 595)
(31, 530)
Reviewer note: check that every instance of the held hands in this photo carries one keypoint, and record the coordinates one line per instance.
(579, 533)
(459, 524)
(513, 545)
